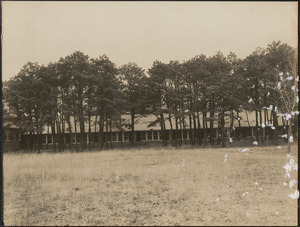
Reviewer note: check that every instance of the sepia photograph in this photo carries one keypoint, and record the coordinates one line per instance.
(149, 113)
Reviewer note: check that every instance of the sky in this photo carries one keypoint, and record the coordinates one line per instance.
(140, 32)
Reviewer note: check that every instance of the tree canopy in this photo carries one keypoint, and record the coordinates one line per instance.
(76, 89)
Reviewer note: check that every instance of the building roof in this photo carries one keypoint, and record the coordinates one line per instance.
(9, 125)
(142, 123)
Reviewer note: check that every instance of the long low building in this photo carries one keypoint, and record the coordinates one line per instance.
(243, 126)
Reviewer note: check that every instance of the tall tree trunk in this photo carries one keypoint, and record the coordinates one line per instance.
(199, 132)
(38, 142)
(191, 130)
(165, 134)
(264, 136)
(284, 125)
(289, 135)
(36, 116)
(183, 129)
(224, 135)
(265, 123)
(163, 129)
(47, 138)
(53, 135)
(295, 128)
(106, 132)
(63, 135)
(195, 131)
(70, 132)
(89, 124)
(270, 130)
(239, 121)
(75, 128)
(256, 126)
(58, 135)
(276, 127)
(211, 115)
(101, 128)
(34, 142)
(38, 134)
(176, 131)
(180, 128)
(30, 141)
(132, 126)
(205, 127)
(249, 124)
(95, 130)
(219, 129)
(82, 134)
(231, 124)
(110, 134)
(171, 127)
(260, 131)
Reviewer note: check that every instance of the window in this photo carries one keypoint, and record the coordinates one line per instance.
(143, 135)
(246, 132)
(280, 130)
(215, 131)
(160, 135)
(68, 138)
(49, 139)
(237, 132)
(96, 137)
(78, 139)
(55, 139)
(190, 134)
(10, 137)
(149, 135)
(114, 137)
(126, 137)
(91, 137)
(43, 139)
(173, 134)
(179, 135)
(249, 132)
(120, 136)
(184, 134)
(73, 138)
(138, 136)
(155, 135)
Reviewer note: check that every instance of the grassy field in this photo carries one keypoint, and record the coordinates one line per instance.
(151, 187)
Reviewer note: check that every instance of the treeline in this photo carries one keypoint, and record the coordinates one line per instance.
(78, 89)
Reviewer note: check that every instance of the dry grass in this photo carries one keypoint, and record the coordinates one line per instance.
(150, 187)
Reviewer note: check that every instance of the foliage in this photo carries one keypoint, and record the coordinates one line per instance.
(66, 95)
